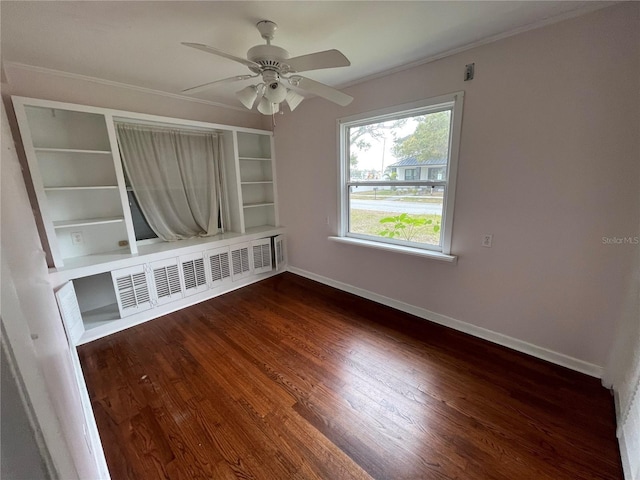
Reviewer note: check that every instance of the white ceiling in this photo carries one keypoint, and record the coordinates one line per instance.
(138, 42)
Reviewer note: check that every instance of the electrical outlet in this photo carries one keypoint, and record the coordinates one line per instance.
(77, 238)
(487, 240)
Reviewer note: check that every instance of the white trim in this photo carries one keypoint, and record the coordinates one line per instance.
(479, 332)
(625, 452)
(111, 83)
(123, 115)
(390, 247)
(450, 101)
(41, 412)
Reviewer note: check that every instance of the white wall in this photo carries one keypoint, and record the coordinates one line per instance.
(548, 164)
(34, 329)
(51, 85)
(623, 375)
(20, 457)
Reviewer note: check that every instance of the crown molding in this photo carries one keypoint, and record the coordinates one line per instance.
(592, 7)
(7, 65)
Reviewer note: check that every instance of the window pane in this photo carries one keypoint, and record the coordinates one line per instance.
(407, 214)
(140, 226)
(410, 148)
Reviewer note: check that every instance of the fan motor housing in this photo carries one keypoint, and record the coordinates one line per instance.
(268, 56)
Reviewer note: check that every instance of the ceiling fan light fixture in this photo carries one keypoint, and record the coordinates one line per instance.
(293, 99)
(266, 107)
(248, 96)
(275, 92)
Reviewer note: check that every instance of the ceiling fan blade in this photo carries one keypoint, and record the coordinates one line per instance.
(205, 86)
(220, 53)
(318, 60)
(322, 90)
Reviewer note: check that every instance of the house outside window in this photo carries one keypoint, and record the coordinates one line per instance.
(409, 201)
(412, 174)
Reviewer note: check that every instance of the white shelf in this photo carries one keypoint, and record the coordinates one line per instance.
(86, 222)
(261, 182)
(100, 316)
(255, 159)
(255, 205)
(71, 150)
(92, 187)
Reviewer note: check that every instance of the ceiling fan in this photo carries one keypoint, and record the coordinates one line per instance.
(273, 66)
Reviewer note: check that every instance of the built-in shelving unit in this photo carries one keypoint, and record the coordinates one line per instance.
(75, 179)
(79, 183)
(256, 175)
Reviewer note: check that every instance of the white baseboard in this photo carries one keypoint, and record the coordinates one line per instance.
(489, 335)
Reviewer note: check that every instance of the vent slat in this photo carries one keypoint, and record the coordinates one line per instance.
(174, 279)
(236, 262)
(224, 265)
(189, 273)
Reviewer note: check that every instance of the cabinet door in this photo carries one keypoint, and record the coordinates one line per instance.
(193, 273)
(70, 312)
(219, 266)
(166, 281)
(261, 255)
(240, 267)
(132, 289)
(279, 252)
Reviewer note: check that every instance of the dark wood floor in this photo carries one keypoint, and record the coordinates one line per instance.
(290, 379)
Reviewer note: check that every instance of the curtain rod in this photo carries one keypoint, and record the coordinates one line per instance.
(164, 126)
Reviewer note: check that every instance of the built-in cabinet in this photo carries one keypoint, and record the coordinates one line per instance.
(159, 283)
(79, 184)
(78, 180)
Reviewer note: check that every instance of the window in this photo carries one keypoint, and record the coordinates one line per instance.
(175, 180)
(412, 174)
(398, 172)
(140, 225)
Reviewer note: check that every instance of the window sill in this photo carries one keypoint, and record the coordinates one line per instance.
(419, 252)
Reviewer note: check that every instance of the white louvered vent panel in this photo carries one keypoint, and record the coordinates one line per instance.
(216, 268)
(162, 282)
(125, 289)
(240, 260)
(132, 290)
(201, 278)
(236, 262)
(258, 261)
(279, 247)
(167, 280)
(189, 272)
(193, 273)
(219, 265)
(224, 265)
(141, 288)
(240, 266)
(244, 254)
(174, 279)
(261, 255)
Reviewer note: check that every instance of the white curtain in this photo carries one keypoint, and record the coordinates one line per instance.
(176, 177)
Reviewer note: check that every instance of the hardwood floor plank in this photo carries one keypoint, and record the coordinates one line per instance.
(291, 379)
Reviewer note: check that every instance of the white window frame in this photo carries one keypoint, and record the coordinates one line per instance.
(453, 101)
